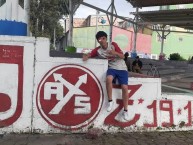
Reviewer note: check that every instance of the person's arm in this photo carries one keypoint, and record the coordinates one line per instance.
(134, 63)
(93, 53)
(127, 62)
(117, 52)
(120, 55)
(140, 64)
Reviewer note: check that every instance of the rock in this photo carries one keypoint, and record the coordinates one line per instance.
(94, 133)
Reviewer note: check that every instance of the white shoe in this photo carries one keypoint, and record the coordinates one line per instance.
(125, 116)
(110, 106)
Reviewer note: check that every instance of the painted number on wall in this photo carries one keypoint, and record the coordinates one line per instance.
(149, 111)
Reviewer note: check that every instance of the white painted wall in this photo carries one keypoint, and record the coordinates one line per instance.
(81, 85)
(9, 82)
(12, 11)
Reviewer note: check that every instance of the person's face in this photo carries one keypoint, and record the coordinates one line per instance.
(102, 41)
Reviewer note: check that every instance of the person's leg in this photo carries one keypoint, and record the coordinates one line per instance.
(134, 69)
(140, 71)
(109, 87)
(123, 80)
(137, 70)
(125, 96)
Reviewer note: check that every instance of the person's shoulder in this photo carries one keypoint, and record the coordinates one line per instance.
(97, 48)
(114, 44)
(94, 51)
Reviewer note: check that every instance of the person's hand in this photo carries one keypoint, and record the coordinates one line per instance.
(112, 52)
(85, 57)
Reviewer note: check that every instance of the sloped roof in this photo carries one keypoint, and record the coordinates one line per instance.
(180, 17)
(148, 3)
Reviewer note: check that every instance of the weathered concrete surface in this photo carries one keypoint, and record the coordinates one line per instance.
(134, 138)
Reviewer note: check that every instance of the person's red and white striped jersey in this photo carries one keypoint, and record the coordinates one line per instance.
(114, 62)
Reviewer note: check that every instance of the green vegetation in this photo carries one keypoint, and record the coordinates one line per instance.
(176, 56)
(70, 49)
(45, 16)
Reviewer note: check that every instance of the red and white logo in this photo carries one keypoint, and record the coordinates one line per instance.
(11, 84)
(69, 97)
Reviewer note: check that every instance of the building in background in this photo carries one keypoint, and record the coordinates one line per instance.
(85, 29)
(84, 37)
(175, 42)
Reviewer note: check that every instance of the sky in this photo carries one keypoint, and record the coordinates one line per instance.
(123, 8)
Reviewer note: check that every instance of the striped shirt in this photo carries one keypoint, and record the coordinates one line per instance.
(114, 62)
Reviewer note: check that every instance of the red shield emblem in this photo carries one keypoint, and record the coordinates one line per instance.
(69, 97)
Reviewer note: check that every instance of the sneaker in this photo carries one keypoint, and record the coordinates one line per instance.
(110, 106)
(125, 116)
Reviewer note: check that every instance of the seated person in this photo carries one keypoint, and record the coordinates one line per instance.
(137, 65)
(191, 59)
(127, 61)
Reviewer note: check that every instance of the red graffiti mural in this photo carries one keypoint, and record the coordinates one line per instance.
(11, 85)
(165, 106)
(110, 120)
(69, 97)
